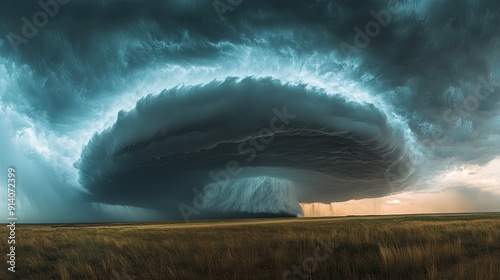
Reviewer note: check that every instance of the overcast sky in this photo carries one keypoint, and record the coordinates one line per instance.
(148, 110)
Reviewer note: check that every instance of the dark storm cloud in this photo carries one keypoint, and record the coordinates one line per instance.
(92, 48)
(437, 52)
(183, 137)
(423, 66)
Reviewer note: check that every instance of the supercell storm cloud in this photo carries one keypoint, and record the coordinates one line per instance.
(224, 131)
(195, 109)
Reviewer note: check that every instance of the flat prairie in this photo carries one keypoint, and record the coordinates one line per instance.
(461, 246)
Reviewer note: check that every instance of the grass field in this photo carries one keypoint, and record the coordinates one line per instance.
(388, 247)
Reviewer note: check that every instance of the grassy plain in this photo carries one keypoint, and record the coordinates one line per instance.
(385, 247)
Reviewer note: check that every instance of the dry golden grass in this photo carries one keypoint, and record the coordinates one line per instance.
(393, 247)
